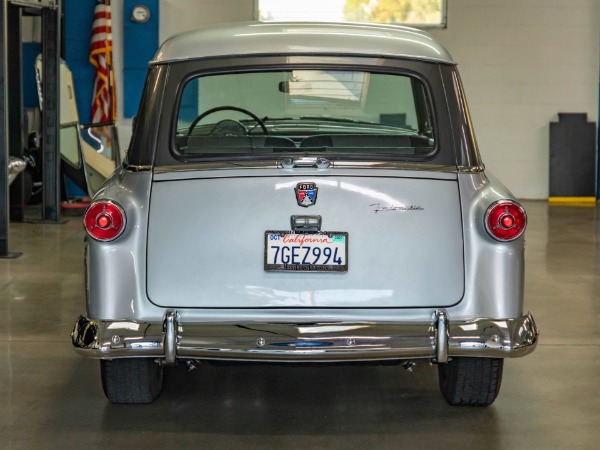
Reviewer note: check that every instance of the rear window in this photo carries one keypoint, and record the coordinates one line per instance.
(326, 112)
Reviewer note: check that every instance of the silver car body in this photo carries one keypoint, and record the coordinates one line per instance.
(186, 278)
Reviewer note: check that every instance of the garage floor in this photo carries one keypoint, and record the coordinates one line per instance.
(51, 398)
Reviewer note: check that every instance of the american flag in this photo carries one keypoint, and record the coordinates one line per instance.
(104, 102)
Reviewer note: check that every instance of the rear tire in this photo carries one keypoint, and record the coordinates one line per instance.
(471, 381)
(131, 380)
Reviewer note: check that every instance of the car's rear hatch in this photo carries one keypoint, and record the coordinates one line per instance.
(207, 245)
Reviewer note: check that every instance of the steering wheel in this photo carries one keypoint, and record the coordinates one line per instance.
(227, 108)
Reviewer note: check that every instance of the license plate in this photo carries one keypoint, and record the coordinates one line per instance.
(306, 251)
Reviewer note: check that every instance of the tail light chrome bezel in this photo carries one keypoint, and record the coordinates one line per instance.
(514, 212)
(102, 210)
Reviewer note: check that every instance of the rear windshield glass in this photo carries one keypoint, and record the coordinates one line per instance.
(329, 112)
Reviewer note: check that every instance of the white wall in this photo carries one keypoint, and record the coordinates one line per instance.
(182, 15)
(522, 62)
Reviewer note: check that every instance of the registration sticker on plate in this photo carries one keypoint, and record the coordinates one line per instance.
(306, 251)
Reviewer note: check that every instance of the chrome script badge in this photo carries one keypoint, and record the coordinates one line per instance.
(306, 194)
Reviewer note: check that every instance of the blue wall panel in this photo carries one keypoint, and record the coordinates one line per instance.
(141, 43)
(79, 15)
(30, 95)
(133, 85)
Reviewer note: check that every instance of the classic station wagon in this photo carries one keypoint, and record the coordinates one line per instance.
(308, 193)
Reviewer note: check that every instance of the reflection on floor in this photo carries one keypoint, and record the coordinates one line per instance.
(51, 398)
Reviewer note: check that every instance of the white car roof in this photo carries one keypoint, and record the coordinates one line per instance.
(264, 38)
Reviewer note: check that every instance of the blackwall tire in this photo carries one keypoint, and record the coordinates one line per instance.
(131, 380)
(471, 381)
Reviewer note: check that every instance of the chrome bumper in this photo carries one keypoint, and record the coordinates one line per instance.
(438, 340)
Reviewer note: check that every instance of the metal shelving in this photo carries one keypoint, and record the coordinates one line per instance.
(11, 133)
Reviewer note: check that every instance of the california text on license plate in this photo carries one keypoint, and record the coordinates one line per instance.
(306, 251)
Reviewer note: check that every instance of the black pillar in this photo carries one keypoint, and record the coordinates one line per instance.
(15, 107)
(3, 135)
(51, 114)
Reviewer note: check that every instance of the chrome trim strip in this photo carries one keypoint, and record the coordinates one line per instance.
(221, 165)
(281, 164)
(334, 341)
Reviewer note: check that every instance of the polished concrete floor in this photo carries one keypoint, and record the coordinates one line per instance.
(51, 398)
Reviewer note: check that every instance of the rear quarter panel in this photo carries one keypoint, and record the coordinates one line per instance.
(494, 270)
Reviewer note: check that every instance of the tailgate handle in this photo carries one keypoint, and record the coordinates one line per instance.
(306, 223)
(318, 163)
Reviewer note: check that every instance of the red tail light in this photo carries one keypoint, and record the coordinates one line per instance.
(104, 220)
(505, 220)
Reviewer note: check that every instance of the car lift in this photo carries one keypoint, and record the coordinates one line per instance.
(11, 114)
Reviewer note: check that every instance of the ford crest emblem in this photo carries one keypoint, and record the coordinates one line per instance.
(306, 194)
